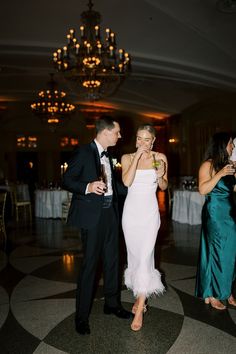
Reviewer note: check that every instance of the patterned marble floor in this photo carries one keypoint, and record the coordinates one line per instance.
(38, 270)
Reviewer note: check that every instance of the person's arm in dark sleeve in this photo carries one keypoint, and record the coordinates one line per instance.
(72, 177)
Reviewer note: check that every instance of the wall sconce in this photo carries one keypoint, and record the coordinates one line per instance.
(173, 140)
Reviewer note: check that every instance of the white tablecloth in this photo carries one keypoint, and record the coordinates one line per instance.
(187, 207)
(22, 191)
(48, 203)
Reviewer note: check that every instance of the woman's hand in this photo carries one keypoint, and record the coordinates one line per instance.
(161, 169)
(207, 180)
(227, 170)
(140, 150)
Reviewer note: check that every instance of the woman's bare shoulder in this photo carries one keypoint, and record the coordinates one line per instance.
(129, 155)
(127, 158)
(159, 155)
(206, 167)
(206, 164)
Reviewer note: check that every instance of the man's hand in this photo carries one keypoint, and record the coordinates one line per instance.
(97, 187)
(161, 169)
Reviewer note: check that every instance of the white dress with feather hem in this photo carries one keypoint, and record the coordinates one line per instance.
(141, 222)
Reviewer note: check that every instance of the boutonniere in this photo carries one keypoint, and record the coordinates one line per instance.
(116, 165)
(114, 162)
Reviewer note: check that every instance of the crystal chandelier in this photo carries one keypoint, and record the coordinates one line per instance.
(51, 105)
(98, 67)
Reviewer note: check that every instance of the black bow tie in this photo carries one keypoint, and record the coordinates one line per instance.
(104, 153)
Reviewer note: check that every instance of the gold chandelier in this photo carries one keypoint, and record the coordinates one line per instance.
(51, 105)
(98, 67)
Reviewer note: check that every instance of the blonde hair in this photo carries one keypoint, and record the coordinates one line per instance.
(147, 127)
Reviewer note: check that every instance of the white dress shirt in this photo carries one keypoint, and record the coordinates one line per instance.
(104, 161)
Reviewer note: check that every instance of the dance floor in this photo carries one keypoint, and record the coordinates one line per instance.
(39, 266)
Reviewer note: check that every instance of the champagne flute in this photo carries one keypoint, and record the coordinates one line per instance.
(232, 165)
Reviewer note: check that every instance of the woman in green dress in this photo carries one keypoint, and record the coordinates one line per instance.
(217, 260)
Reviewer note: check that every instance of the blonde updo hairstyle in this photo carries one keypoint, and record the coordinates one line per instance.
(149, 128)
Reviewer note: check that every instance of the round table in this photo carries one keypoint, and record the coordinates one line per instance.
(48, 203)
(187, 206)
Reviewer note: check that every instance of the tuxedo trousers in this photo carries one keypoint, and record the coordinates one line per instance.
(100, 241)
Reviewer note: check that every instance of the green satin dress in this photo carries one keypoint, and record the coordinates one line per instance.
(216, 268)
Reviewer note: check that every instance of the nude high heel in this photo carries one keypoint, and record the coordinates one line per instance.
(137, 323)
(135, 307)
(231, 300)
(216, 304)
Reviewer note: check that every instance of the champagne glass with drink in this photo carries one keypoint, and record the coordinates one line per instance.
(233, 164)
(155, 163)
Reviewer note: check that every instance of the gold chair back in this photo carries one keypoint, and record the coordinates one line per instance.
(3, 197)
(20, 204)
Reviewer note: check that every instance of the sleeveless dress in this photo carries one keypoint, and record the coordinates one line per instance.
(216, 267)
(141, 222)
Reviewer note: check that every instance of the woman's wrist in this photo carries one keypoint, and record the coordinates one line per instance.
(161, 177)
(162, 182)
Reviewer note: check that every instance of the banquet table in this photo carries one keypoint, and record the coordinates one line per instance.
(187, 206)
(48, 203)
(22, 191)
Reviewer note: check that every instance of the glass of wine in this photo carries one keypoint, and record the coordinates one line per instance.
(233, 164)
(103, 176)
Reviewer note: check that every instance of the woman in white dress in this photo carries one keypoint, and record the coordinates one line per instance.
(142, 172)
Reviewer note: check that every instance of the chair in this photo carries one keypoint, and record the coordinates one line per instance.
(66, 206)
(3, 197)
(17, 204)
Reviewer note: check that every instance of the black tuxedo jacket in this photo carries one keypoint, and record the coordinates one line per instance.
(83, 168)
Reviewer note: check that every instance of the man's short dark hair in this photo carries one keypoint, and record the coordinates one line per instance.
(104, 122)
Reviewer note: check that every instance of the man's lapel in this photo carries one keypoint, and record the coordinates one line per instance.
(96, 157)
(98, 165)
(113, 177)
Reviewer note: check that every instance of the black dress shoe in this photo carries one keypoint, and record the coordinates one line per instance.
(118, 311)
(82, 327)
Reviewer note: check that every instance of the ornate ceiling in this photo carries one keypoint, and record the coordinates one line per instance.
(183, 52)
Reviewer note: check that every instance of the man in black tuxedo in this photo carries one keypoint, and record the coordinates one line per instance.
(94, 210)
